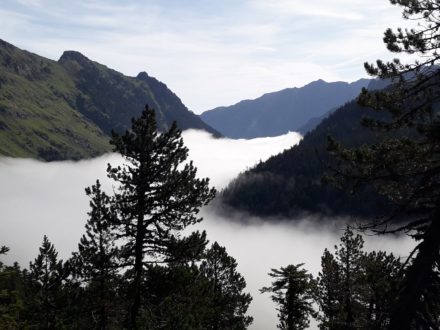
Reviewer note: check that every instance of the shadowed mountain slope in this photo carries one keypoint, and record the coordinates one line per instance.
(290, 183)
(280, 112)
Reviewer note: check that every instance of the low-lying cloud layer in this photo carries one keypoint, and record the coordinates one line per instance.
(48, 198)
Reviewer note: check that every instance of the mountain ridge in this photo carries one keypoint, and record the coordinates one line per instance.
(276, 113)
(65, 109)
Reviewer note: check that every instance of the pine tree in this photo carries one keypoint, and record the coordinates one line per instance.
(158, 196)
(349, 255)
(228, 304)
(11, 295)
(381, 277)
(96, 262)
(45, 288)
(355, 289)
(292, 291)
(329, 292)
(405, 165)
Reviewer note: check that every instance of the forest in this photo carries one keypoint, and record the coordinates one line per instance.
(134, 268)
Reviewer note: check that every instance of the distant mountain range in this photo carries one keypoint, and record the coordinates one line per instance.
(291, 109)
(65, 109)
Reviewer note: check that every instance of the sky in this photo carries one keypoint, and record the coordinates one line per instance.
(39, 198)
(210, 52)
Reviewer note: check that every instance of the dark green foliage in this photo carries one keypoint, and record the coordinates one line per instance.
(292, 292)
(382, 275)
(349, 255)
(329, 292)
(45, 281)
(177, 297)
(157, 197)
(355, 289)
(96, 263)
(228, 304)
(11, 295)
(406, 168)
(190, 297)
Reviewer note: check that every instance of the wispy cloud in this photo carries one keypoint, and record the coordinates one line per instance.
(210, 53)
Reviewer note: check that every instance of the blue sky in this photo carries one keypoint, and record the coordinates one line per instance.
(210, 53)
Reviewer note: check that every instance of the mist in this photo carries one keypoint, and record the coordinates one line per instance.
(39, 198)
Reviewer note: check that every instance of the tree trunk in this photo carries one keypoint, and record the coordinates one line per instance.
(138, 267)
(417, 279)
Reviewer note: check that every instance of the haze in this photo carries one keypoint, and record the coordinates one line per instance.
(48, 198)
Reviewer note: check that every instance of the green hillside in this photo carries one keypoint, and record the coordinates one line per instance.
(36, 119)
(65, 110)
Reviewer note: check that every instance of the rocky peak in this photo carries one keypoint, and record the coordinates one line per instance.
(71, 55)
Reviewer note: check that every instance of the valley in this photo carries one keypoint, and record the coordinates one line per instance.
(37, 202)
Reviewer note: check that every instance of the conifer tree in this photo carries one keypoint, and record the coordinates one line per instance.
(11, 295)
(381, 277)
(228, 304)
(96, 262)
(355, 289)
(292, 291)
(45, 288)
(405, 165)
(158, 195)
(329, 292)
(349, 255)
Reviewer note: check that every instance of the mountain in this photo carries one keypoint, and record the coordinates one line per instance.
(66, 109)
(313, 122)
(280, 112)
(289, 184)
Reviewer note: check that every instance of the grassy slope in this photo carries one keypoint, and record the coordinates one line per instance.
(36, 119)
(66, 109)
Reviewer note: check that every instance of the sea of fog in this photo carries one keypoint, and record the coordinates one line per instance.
(39, 198)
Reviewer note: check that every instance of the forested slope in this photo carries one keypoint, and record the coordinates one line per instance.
(291, 183)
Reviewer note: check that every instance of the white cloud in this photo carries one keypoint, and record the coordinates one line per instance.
(210, 53)
(311, 8)
(222, 159)
(48, 198)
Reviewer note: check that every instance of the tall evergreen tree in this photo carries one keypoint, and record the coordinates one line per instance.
(45, 288)
(292, 291)
(405, 166)
(349, 255)
(158, 196)
(355, 289)
(228, 303)
(328, 294)
(96, 262)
